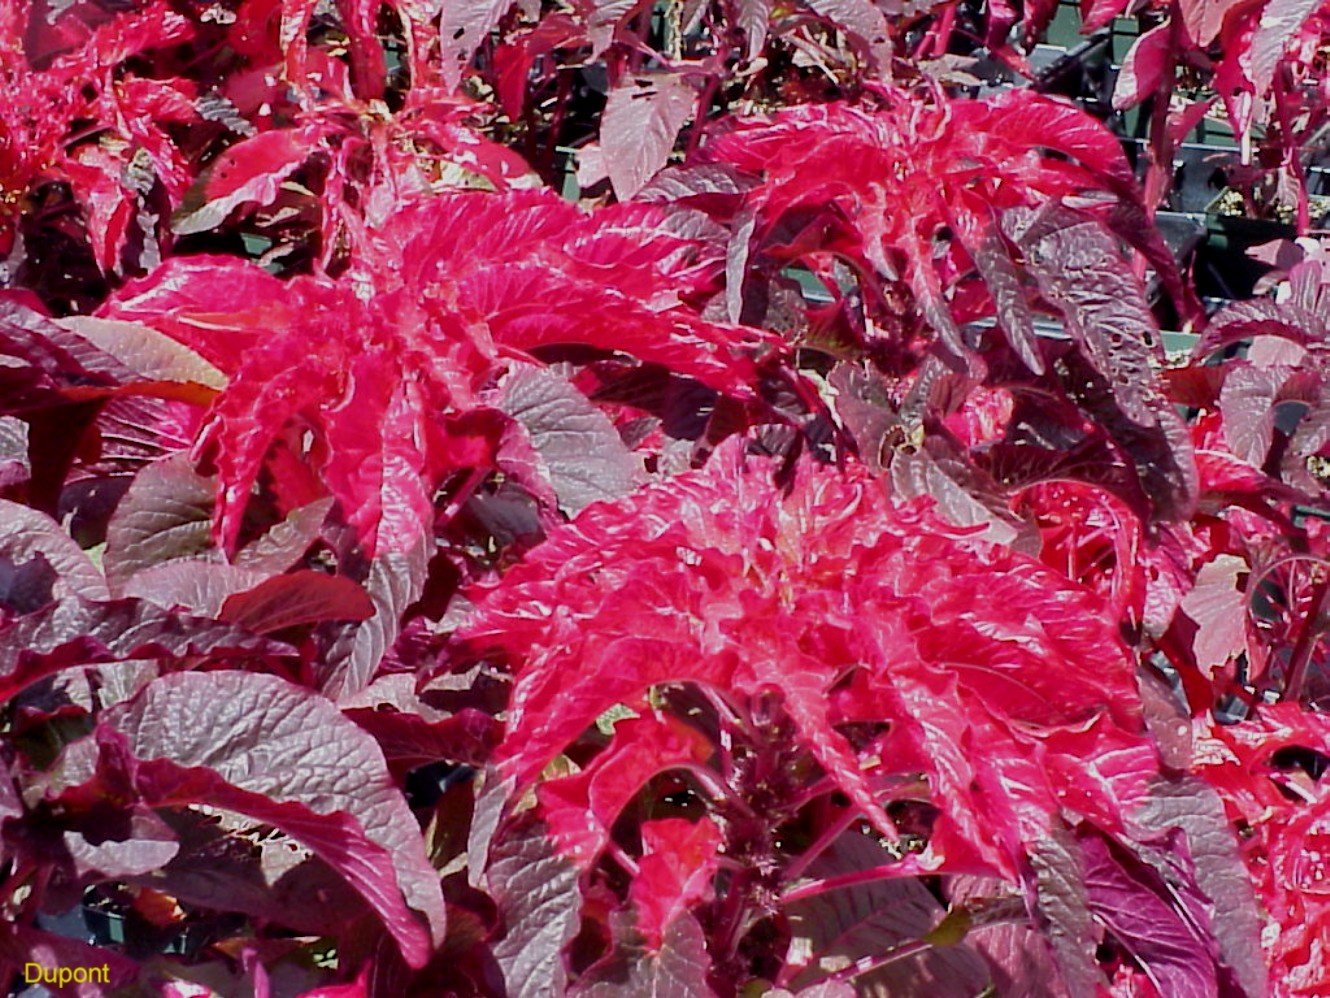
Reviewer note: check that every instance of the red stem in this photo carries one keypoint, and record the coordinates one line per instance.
(813, 888)
(1302, 651)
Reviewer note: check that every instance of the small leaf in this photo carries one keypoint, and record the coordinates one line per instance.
(304, 597)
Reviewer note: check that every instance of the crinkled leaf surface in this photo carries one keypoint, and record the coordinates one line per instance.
(536, 891)
(258, 745)
(75, 631)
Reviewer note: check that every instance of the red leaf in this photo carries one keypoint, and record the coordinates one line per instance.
(722, 580)
(249, 173)
(679, 858)
(305, 597)
(1144, 67)
(581, 809)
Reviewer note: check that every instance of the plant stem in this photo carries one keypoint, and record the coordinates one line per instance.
(813, 888)
(1300, 661)
(830, 834)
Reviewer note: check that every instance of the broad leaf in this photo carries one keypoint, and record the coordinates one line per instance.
(257, 745)
(76, 632)
(580, 451)
(165, 516)
(643, 117)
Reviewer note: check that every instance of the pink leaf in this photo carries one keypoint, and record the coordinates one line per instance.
(642, 120)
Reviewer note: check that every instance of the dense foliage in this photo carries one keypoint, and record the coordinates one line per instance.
(682, 498)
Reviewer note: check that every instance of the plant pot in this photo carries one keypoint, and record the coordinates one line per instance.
(1082, 74)
(1224, 267)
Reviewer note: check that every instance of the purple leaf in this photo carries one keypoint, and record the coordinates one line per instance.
(1078, 266)
(263, 747)
(582, 453)
(867, 921)
(166, 515)
(272, 879)
(536, 890)
(20, 944)
(199, 587)
(1064, 904)
(1129, 898)
(151, 355)
(464, 27)
(864, 22)
(677, 970)
(146, 844)
(1219, 607)
(1194, 807)
(76, 632)
(754, 18)
(26, 534)
(409, 740)
(396, 579)
(1247, 402)
(286, 543)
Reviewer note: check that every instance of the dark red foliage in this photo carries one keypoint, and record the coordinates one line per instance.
(670, 499)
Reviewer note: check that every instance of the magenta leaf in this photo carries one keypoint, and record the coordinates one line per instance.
(679, 859)
(629, 620)
(1143, 68)
(258, 745)
(1131, 900)
(581, 809)
(250, 172)
(1281, 20)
